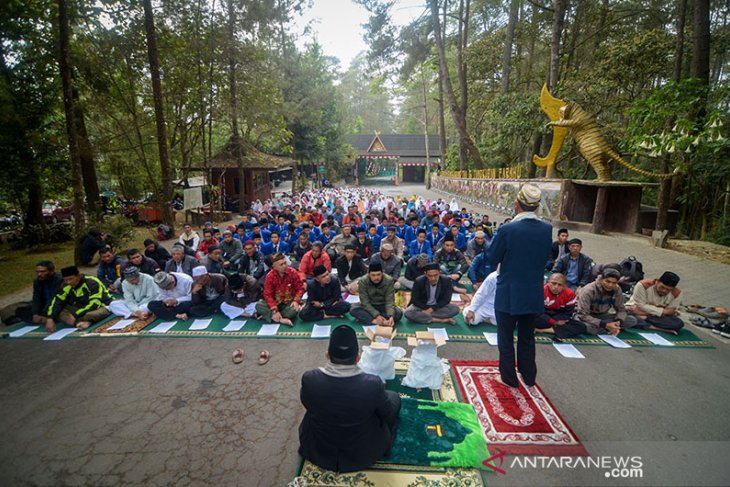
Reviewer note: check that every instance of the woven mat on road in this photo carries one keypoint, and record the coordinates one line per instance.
(518, 421)
(460, 332)
(398, 475)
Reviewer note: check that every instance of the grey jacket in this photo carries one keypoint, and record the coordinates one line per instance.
(232, 252)
(187, 265)
(381, 294)
(391, 266)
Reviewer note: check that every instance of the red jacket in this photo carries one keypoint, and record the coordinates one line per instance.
(283, 290)
(351, 220)
(308, 263)
(563, 303)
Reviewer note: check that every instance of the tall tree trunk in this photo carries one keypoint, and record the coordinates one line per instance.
(701, 41)
(602, 20)
(464, 6)
(514, 11)
(64, 65)
(165, 172)
(574, 33)
(664, 198)
(559, 7)
(534, 28)
(442, 117)
(88, 165)
(456, 113)
(234, 103)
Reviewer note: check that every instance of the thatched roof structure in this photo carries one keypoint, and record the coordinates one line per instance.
(250, 156)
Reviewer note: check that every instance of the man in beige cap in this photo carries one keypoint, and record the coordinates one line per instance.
(476, 245)
(521, 248)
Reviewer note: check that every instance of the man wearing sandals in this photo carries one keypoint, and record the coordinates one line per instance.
(81, 302)
(283, 290)
(351, 420)
(655, 303)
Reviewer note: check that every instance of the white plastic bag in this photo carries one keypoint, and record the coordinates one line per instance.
(380, 362)
(426, 369)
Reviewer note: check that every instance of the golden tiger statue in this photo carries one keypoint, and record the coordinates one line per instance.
(587, 135)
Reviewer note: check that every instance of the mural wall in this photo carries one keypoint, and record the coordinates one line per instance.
(500, 194)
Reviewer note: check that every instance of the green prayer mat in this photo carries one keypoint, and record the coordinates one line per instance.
(443, 434)
(460, 332)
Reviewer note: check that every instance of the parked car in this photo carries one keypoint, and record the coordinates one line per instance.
(54, 212)
(11, 219)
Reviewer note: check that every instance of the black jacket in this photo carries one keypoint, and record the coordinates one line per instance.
(187, 265)
(419, 294)
(556, 250)
(344, 428)
(585, 264)
(89, 246)
(252, 292)
(43, 293)
(328, 294)
(252, 266)
(365, 249)
(357, 270)
(413, 271)
(159, 255)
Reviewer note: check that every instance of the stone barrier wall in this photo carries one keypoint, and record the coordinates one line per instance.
(500, 194)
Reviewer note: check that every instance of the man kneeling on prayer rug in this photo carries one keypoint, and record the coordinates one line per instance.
(351, 419)
(655, 303)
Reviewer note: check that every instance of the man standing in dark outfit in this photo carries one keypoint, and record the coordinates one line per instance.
(521, 248)
(351, 420)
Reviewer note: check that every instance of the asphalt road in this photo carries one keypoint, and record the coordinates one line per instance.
(177, 411)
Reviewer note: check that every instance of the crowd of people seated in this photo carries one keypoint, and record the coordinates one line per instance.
(337, 242)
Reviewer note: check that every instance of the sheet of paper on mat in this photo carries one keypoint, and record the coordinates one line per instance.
(234, 311)
(60, 334)
(163, 327)
(200, 324)
(321, 331)
(455, 297)
(370, 328)
(122, 324)
(235, 325)
(615, 342)
(305, 296)
(439, 333)
(491, 338)
(268, 330)
(567, 350)
(22, 331)
(353, 299)
(657, 339)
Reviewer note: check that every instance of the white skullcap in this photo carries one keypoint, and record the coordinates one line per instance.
(199, 271)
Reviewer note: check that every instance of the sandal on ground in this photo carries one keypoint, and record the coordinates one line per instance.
(703, 322)
(237, 356)
(264, 357)
(694, 308)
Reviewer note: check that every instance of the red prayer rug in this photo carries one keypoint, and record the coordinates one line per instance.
(517, 421)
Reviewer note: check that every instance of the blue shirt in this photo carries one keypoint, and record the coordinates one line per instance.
(415, 248)
(572, 274)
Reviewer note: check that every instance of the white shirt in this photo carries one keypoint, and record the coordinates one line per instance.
(182, 291)
(483, 302)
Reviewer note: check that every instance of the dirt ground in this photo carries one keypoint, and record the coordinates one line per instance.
(699, 248)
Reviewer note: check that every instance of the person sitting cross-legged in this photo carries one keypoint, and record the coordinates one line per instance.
(390, 262)
(139, 290)
(560, 303)
(208, 292)
(414, 269)
(450, 259)
(350, 267)
(419, 245)
(109, 271)
(180, 261)
(601, 306)
(351, 419)
(175, 295)
(655, 303)
(242, 293)
(213, 262)
(81, 302)
(231, 252)
(431, 298)
(252, 262)
(155, 251)
(575, 266)
(46, 285)
(283, 290)
(481, 309)
(324, 298)
(377, 299)
(313, 258)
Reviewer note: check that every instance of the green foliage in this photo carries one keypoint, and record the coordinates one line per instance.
(119, 228)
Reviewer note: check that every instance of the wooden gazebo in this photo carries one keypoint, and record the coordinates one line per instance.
(224, 167)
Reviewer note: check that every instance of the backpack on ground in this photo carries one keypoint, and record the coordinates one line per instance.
(632, 269)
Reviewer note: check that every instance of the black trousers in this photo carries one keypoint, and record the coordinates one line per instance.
(159, 309)
(365, 318)
(667, 322)
(393, 419)
(206, 308)
(525, 324)
(310, 313)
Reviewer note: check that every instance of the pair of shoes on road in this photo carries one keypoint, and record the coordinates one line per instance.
(238, 353)
(703, 322)
(722, 329)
